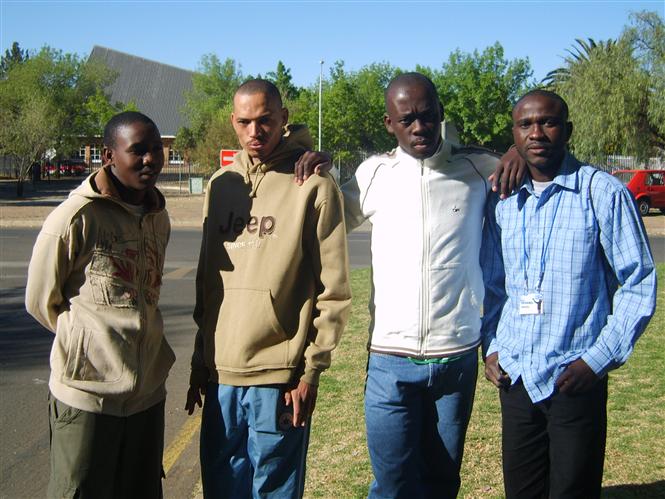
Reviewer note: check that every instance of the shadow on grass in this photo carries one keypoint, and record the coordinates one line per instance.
(655, 490)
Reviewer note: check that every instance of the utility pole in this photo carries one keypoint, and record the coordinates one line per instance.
(320, 99)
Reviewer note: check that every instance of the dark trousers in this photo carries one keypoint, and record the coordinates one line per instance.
(105, 457)
(554, 448)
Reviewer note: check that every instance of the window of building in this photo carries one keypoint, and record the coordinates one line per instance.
(95, 153)
(80, 154)
(175, 158)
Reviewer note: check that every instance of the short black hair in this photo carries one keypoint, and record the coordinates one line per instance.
(124, 119)
(261, 86)
(408, 79)
(546, 93)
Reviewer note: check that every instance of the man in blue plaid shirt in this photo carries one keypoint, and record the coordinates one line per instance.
(570, 286)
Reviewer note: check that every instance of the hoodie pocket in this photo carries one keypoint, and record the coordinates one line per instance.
(249, 334)
(98, 358)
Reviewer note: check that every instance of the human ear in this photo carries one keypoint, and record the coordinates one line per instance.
(388, 124)
(107, 156)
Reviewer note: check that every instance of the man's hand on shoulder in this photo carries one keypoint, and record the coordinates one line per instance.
(494, 373)
(311, 163)
(509, 173)
(303, 398)
(578, 377)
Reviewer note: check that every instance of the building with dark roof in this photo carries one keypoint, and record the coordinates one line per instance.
(158, 90)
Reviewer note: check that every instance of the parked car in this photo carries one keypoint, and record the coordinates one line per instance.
(647, 186)
(73, 167)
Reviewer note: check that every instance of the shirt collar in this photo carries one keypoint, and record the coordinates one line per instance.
(441, 155)
(567, 178)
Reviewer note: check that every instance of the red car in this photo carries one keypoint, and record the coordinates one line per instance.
(73, 167)
(647, 186)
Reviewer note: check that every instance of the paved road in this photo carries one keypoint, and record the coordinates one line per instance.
(24, 351)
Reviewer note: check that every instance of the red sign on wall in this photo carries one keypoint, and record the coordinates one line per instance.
(226, 156)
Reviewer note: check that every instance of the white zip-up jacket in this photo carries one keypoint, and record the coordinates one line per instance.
(427, 217)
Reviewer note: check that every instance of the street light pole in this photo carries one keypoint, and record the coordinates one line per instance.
(320, 100)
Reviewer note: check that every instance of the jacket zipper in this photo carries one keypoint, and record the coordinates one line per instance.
(424, 281)
(141, 275)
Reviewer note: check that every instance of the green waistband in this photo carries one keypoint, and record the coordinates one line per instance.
(439, 360)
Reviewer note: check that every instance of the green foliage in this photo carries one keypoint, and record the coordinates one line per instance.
(647, 36)
(607, 96)
(100, 110)
(208, 108)
(12, 56)
(478, 91)
(580, 53)
(49, 101)
(616, 91)
(352, 112)
(282, 79)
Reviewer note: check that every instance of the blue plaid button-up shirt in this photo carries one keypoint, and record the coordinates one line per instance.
(598, 277)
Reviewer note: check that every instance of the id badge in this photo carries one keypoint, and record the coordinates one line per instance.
(531, 304)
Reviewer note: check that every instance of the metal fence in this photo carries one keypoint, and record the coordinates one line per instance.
(181, 178)
(614, 163)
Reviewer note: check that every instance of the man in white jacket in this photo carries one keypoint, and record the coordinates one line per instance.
(425, 201)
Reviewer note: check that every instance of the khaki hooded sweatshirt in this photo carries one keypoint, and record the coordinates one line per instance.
(272, 284)
(94, 280)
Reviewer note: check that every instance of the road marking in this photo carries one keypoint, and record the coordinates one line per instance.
(197, 493)
(178, 273)
(181, 441)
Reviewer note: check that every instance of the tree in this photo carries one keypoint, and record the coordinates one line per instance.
(615, 92)
(580, 53)
(208, 107)
(646, 35)
(282, 79)
(607, 97)
(12, 56)
(99, 110)
(352, 112)
(43, 102)
(478, 91)
(26, 134)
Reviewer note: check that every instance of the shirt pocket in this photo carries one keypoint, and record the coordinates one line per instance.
(112, 278)
(250, 334)
(98, 358)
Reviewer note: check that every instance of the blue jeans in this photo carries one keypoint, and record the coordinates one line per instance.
(249, 447)
(416, 418)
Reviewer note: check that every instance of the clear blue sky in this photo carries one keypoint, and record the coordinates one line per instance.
(259, 33)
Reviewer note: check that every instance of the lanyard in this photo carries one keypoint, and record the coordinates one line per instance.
(546, 246)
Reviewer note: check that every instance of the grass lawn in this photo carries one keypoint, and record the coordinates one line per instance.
(338, 464)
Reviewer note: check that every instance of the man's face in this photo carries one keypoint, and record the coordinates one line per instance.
(137, 156)
(541, 132)
(258, 122)
(413, 116)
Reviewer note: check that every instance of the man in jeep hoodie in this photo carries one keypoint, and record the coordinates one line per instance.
(272, 301)
(94, 280)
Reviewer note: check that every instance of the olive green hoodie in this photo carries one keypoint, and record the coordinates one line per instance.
(272, 283)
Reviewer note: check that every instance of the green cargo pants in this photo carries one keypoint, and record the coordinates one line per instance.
(100, 456)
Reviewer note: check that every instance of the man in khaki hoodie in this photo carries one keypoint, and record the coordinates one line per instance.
(272, 300)
(94, 281)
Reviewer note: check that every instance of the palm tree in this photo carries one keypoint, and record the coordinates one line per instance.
(579, 53)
